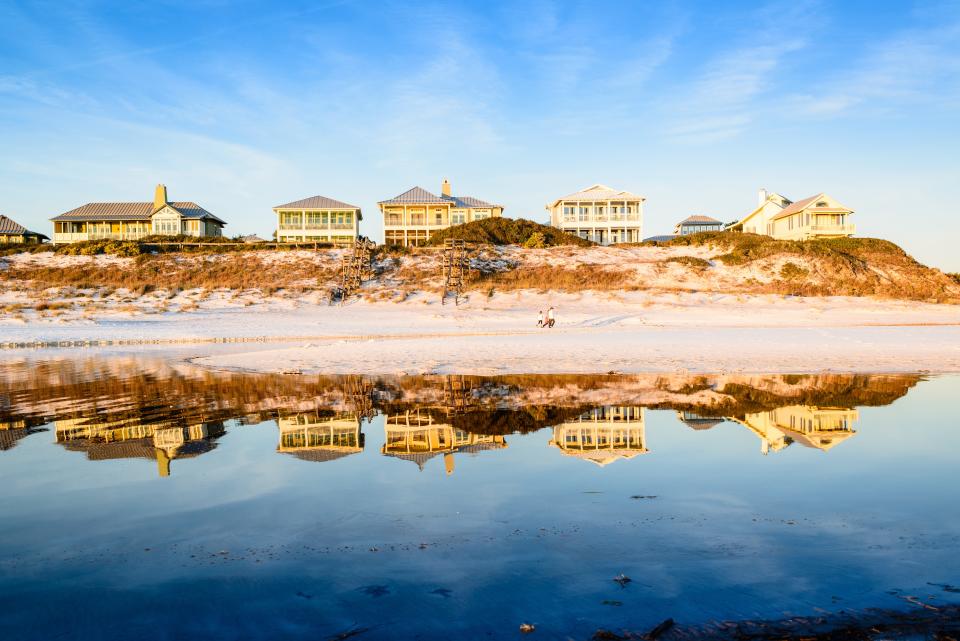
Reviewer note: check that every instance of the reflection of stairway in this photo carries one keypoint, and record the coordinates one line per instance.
(454, 268)
(354, 268)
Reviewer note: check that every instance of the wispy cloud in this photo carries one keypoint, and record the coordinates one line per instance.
(726, 97)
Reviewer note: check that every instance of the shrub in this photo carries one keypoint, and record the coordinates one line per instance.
(690, 261)
(506, 231)
(955, 276)
(792, 271)
(536, 240)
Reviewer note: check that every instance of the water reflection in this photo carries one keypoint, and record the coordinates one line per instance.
(603, 435)
(130, 408)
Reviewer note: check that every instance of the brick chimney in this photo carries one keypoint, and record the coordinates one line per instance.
(160, 197)
(445, 187)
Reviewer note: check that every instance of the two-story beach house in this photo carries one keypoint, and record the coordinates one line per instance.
(318, 219)
(13, 232)
(818, 216)
(601, 214)
(410, 218)
(696, 224)
(133, 221)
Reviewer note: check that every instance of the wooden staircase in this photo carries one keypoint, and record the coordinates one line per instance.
(454, 269)
(355, 267)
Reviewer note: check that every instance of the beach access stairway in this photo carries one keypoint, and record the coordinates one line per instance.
(356, 266)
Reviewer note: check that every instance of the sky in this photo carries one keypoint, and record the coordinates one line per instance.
(242, 106)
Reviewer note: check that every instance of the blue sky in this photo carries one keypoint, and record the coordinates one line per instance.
(241, 106)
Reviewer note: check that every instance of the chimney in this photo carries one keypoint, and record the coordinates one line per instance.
(160, 197)
(762, 196)
(445, 187)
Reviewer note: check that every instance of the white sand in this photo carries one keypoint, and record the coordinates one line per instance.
(597, 332)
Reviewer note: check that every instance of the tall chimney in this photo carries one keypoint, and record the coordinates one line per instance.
(445, 187)
(160, 197)
(761, 196)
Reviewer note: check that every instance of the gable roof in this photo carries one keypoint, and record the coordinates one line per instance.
(420, 196)
(415, 195)
(599, 192)
(317, 202)
(10, 227)
(801, 205)
(131, 211)
(772, 197)
(703, 220)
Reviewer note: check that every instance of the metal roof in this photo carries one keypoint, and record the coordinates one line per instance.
(707, 220)
(317, 202)
(416, 195)
(8, 226)
(131, 211)
(599, 193)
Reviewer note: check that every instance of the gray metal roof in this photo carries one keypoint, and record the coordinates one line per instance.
(420, 196)
(317, 202)
(698, 219)
(660, 239)
(416, 195)
(131, 211)
(11, 227)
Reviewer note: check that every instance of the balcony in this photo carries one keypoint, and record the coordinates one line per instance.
(832, 230)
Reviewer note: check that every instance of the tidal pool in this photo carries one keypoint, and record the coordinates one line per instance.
(144, 499)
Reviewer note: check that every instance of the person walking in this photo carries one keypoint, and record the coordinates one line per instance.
(551, 317)
(540, 319)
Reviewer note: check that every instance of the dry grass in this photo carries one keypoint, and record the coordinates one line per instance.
(564, 279)
(171, 273)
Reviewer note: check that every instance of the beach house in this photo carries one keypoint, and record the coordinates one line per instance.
(696, 224)
(412, 217)
(415, 435)
(818, 216)
(601, 214)
(318, 219)
(136, 220)
(13, 232)
(816, 427)
(315, 436)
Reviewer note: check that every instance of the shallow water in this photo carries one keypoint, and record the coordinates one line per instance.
(156, 501)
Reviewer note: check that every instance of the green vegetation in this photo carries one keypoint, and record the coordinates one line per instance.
(508, 231)
(694, 262)
(955, 276)
(792, 271)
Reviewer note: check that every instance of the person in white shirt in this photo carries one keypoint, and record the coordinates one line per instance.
(540, 319)
(551, 318)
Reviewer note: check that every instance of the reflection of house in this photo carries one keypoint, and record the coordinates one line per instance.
(817, 427)
(601, 214)
(415, 436)
(698, 422)
(162, 441)
(13, 431)
(413, 216)
(818, 216)
(318, 219)
(312, 437)
(133, 221)
(603, 435)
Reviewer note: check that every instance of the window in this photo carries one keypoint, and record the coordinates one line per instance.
(480, 215)
(438, 218)
(393, 219)
(458, 218)
(822, 203)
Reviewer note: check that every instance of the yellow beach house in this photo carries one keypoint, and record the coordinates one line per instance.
(601, 214)
(412, 217)
(820, 428)
(13, 232)
(318, 219)
(818, 216)
(415, 435)
(133, 221)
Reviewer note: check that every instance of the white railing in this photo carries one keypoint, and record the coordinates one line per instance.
(833, 229)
